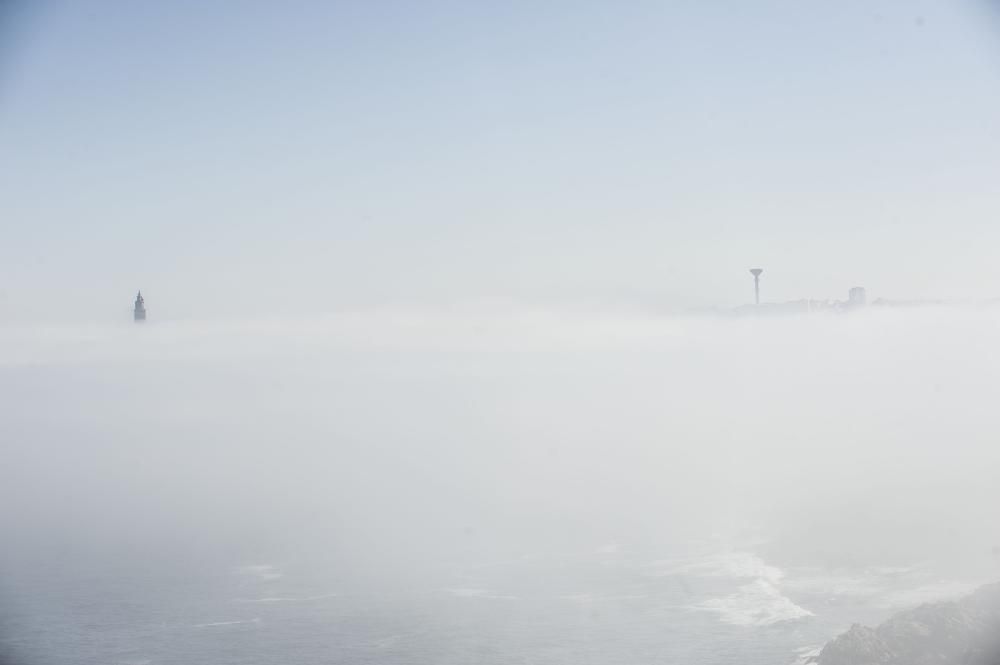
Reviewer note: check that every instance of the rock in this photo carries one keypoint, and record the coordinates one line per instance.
(963, 632)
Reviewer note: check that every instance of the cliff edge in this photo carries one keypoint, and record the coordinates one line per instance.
(962, 632)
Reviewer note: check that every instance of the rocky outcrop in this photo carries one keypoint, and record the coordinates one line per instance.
(963, 632)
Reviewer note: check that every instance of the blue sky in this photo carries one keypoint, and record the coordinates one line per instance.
(249, 159)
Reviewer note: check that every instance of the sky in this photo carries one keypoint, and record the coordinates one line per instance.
(247, 160)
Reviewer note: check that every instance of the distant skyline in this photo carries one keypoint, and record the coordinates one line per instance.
(254, 159)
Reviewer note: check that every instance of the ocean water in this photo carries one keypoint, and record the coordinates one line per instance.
(606, 606)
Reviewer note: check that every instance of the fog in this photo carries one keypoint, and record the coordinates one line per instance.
(385, 443)
(402, 452)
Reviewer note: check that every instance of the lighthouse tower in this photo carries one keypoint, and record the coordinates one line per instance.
(140, 308)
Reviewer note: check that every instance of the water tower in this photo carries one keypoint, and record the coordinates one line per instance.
(756, 283)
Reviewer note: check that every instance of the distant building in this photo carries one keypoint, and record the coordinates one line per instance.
(857, 297)
(140, 308)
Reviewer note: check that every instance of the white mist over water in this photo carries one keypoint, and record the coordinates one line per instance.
(623, 470)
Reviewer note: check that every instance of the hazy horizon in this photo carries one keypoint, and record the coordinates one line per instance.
(270, 160)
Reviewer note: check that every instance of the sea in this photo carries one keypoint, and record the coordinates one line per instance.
(705, 605)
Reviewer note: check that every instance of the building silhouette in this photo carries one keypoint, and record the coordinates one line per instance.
(139, 314)
(857, 298)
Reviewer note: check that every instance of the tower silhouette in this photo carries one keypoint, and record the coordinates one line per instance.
(756, 283)
(139, 314)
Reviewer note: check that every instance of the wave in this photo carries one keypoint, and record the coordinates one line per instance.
(763, 601)
(216, 624)
(807, 655)
(262, 571)
(288, 599)
(388, 642)
(759, 603)
(582, 597)
(885, 587)
(478, 593)
(733, 564)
